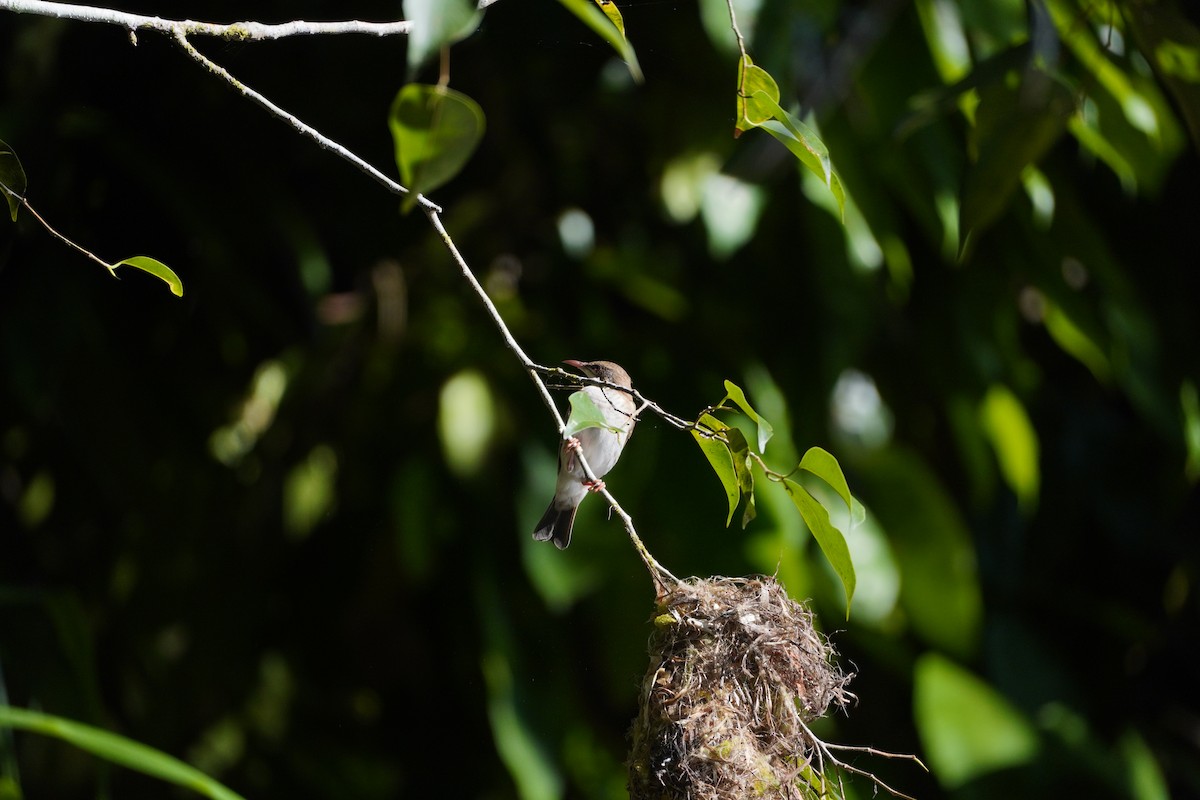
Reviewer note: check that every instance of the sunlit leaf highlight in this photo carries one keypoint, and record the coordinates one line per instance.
(603, 24)
(155, 268)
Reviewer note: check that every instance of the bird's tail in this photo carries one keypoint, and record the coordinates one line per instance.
(556, 525)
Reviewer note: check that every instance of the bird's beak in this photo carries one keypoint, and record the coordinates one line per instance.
(576, 364)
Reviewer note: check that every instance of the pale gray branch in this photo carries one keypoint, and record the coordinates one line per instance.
(237, 30)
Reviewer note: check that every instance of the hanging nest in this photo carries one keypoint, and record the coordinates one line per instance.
(737, 672)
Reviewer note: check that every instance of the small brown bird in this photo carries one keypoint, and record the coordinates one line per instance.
(600, 446)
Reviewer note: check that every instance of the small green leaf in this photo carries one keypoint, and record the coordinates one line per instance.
(603, 24)
(584, 414)
(765, 431)
(822, 464)
(805, 145)
(435, 131)
(12, 179)
(155, 268)
(830, 539)
(437, 23)
(752, 110)
(117, 749)
(721, 459)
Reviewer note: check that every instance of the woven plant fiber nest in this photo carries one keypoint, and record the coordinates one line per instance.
(737, 672)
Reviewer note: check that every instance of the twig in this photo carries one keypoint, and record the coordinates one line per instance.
(56, 234)
(242, 31)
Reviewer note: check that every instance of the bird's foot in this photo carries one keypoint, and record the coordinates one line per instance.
(594, 486)
(571, 446)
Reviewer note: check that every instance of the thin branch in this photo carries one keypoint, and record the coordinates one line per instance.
(56, 234)
(242, 31)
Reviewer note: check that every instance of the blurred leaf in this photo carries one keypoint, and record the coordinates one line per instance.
(721, 459)
(310, 491)
(435, 131)
(117, 749)
(1171, 43)
(831, 540)
(155, 268)
(466, 421)
(437, 23)
(939, 587)
(765, 431)
(752, 110)
(1075, 343)
(1189, 401)
(967, 728)
(1015, 442)
(822, 464)
(603, 25)
(12, 177)
(1015, 128)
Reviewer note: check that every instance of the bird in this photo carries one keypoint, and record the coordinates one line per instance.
(600, 446)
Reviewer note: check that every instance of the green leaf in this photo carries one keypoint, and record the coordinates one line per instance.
(821, 463)
(830, 539)
(765, 431)
(117, 749)
(751, 110)
(12, 178)
(1015, 441)
(721, 459)
(437, 23)
(967, 728)
(603, 24)
(584, 414)
(435, 131)
(805, 145)
(155, 268)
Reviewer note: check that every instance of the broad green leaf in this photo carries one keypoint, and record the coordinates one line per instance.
(765, 431)
(584, 414)
(435, 131)
(117, 749)
(1015, 441)
(12, 178)
(1015, 129)
(967, 728)
(751, 110)
(805, 145)
(821, 463)
(602, 24)
(155, 268)
(721, 459)
(830, 539)
(437, 23)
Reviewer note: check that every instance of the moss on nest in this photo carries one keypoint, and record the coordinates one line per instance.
(737, 672)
